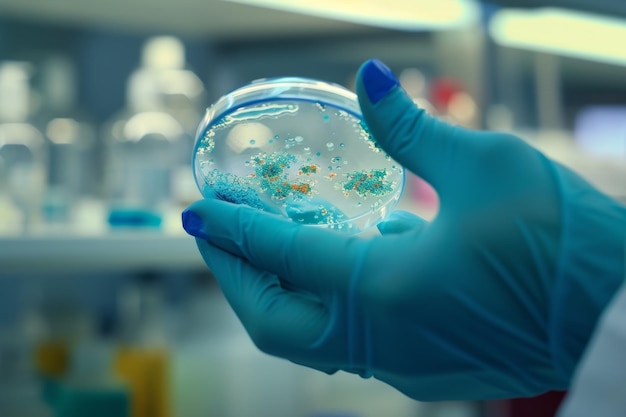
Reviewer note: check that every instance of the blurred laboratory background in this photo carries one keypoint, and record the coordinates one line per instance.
(106, 308)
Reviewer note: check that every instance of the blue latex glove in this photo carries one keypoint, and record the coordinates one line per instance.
(497, 297)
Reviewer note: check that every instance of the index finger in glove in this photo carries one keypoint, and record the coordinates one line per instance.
(279, 322)
(309, 257)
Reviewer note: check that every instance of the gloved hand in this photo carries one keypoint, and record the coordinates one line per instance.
(496, 297)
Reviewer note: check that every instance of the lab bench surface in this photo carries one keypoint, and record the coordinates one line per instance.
(109, 252)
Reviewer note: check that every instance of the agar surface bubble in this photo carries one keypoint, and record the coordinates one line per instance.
(289, 166)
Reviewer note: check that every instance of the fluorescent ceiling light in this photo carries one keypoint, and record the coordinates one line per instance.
(562, 32)
(410, 15)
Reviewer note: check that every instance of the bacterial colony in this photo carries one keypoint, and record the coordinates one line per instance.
(313, 163)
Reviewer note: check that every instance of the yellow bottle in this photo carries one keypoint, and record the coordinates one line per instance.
(145, 371)
(142, 360)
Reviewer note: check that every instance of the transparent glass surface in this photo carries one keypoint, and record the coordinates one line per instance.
(297, 147)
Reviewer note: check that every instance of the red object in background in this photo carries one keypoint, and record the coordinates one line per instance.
(423, 194)
(545, 405)
(441, 92)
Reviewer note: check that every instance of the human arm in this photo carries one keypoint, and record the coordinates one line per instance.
(496, 297)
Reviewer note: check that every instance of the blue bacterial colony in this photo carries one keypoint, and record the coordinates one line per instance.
(313, 163)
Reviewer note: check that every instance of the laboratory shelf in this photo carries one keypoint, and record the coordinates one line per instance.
(123, 251)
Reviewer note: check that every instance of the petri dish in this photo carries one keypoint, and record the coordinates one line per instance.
(299, 148)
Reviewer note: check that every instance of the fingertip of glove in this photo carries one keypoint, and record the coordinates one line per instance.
(193, 224)
(385, 227)
(378, 80)
(400, 221)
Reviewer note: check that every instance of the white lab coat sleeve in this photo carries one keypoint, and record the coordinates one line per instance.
(599, 384)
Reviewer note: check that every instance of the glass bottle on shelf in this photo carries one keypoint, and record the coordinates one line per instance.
(70, 139)
(149, 142)
(182, 95)
(144, 144)
(23, 154)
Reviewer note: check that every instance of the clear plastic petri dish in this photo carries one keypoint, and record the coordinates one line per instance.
(297, 147)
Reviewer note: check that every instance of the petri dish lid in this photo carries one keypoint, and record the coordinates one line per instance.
(298, 147)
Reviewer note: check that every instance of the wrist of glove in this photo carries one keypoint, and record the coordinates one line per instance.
(591, 265)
